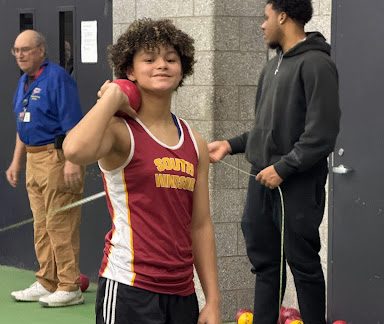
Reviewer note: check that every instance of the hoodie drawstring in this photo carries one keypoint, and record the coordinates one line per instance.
(279, 62)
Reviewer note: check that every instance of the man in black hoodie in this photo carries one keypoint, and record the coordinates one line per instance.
(296, 124)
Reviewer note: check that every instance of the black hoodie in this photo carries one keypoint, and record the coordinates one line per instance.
(297, 110)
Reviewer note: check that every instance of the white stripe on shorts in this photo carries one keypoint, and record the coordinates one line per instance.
(109, 305)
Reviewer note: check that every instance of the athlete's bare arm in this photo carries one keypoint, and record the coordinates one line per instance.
(100, 135)
(203, 240)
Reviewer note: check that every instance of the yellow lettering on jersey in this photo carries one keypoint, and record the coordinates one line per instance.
(159, 164)
(161, 180)
(190, 169)
(168, 164)
(174, 181)
(180, 165)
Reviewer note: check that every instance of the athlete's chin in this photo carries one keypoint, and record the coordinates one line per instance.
(164, 88)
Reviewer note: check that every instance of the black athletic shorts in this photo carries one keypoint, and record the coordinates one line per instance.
(117, 303)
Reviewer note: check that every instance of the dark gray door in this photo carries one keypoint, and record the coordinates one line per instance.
(356, 218)
(60, 21)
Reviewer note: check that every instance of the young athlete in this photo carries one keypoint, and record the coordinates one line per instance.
(155, 173)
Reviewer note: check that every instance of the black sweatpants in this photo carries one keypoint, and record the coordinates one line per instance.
(304, 199)
(117, 303)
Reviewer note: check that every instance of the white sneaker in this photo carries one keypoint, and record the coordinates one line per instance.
(33, 293)
(62, 298)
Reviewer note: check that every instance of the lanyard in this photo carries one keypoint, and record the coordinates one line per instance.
(26, 86)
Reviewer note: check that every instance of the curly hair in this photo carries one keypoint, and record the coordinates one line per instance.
(150, 34)
(299, 10)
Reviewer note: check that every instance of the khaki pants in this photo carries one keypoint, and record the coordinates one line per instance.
(56, 236)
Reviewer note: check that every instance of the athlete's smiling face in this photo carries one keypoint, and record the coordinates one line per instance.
(156, 70)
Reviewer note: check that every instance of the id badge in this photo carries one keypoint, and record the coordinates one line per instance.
(27, 117)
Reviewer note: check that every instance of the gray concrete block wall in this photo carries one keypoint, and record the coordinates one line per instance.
(218, 101)
(239, 57)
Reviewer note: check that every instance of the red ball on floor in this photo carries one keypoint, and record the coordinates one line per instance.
(288, 312)
(84, 282)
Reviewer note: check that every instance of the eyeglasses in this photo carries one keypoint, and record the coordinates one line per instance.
(21, 50)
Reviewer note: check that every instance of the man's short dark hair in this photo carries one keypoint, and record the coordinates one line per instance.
(298, 10)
